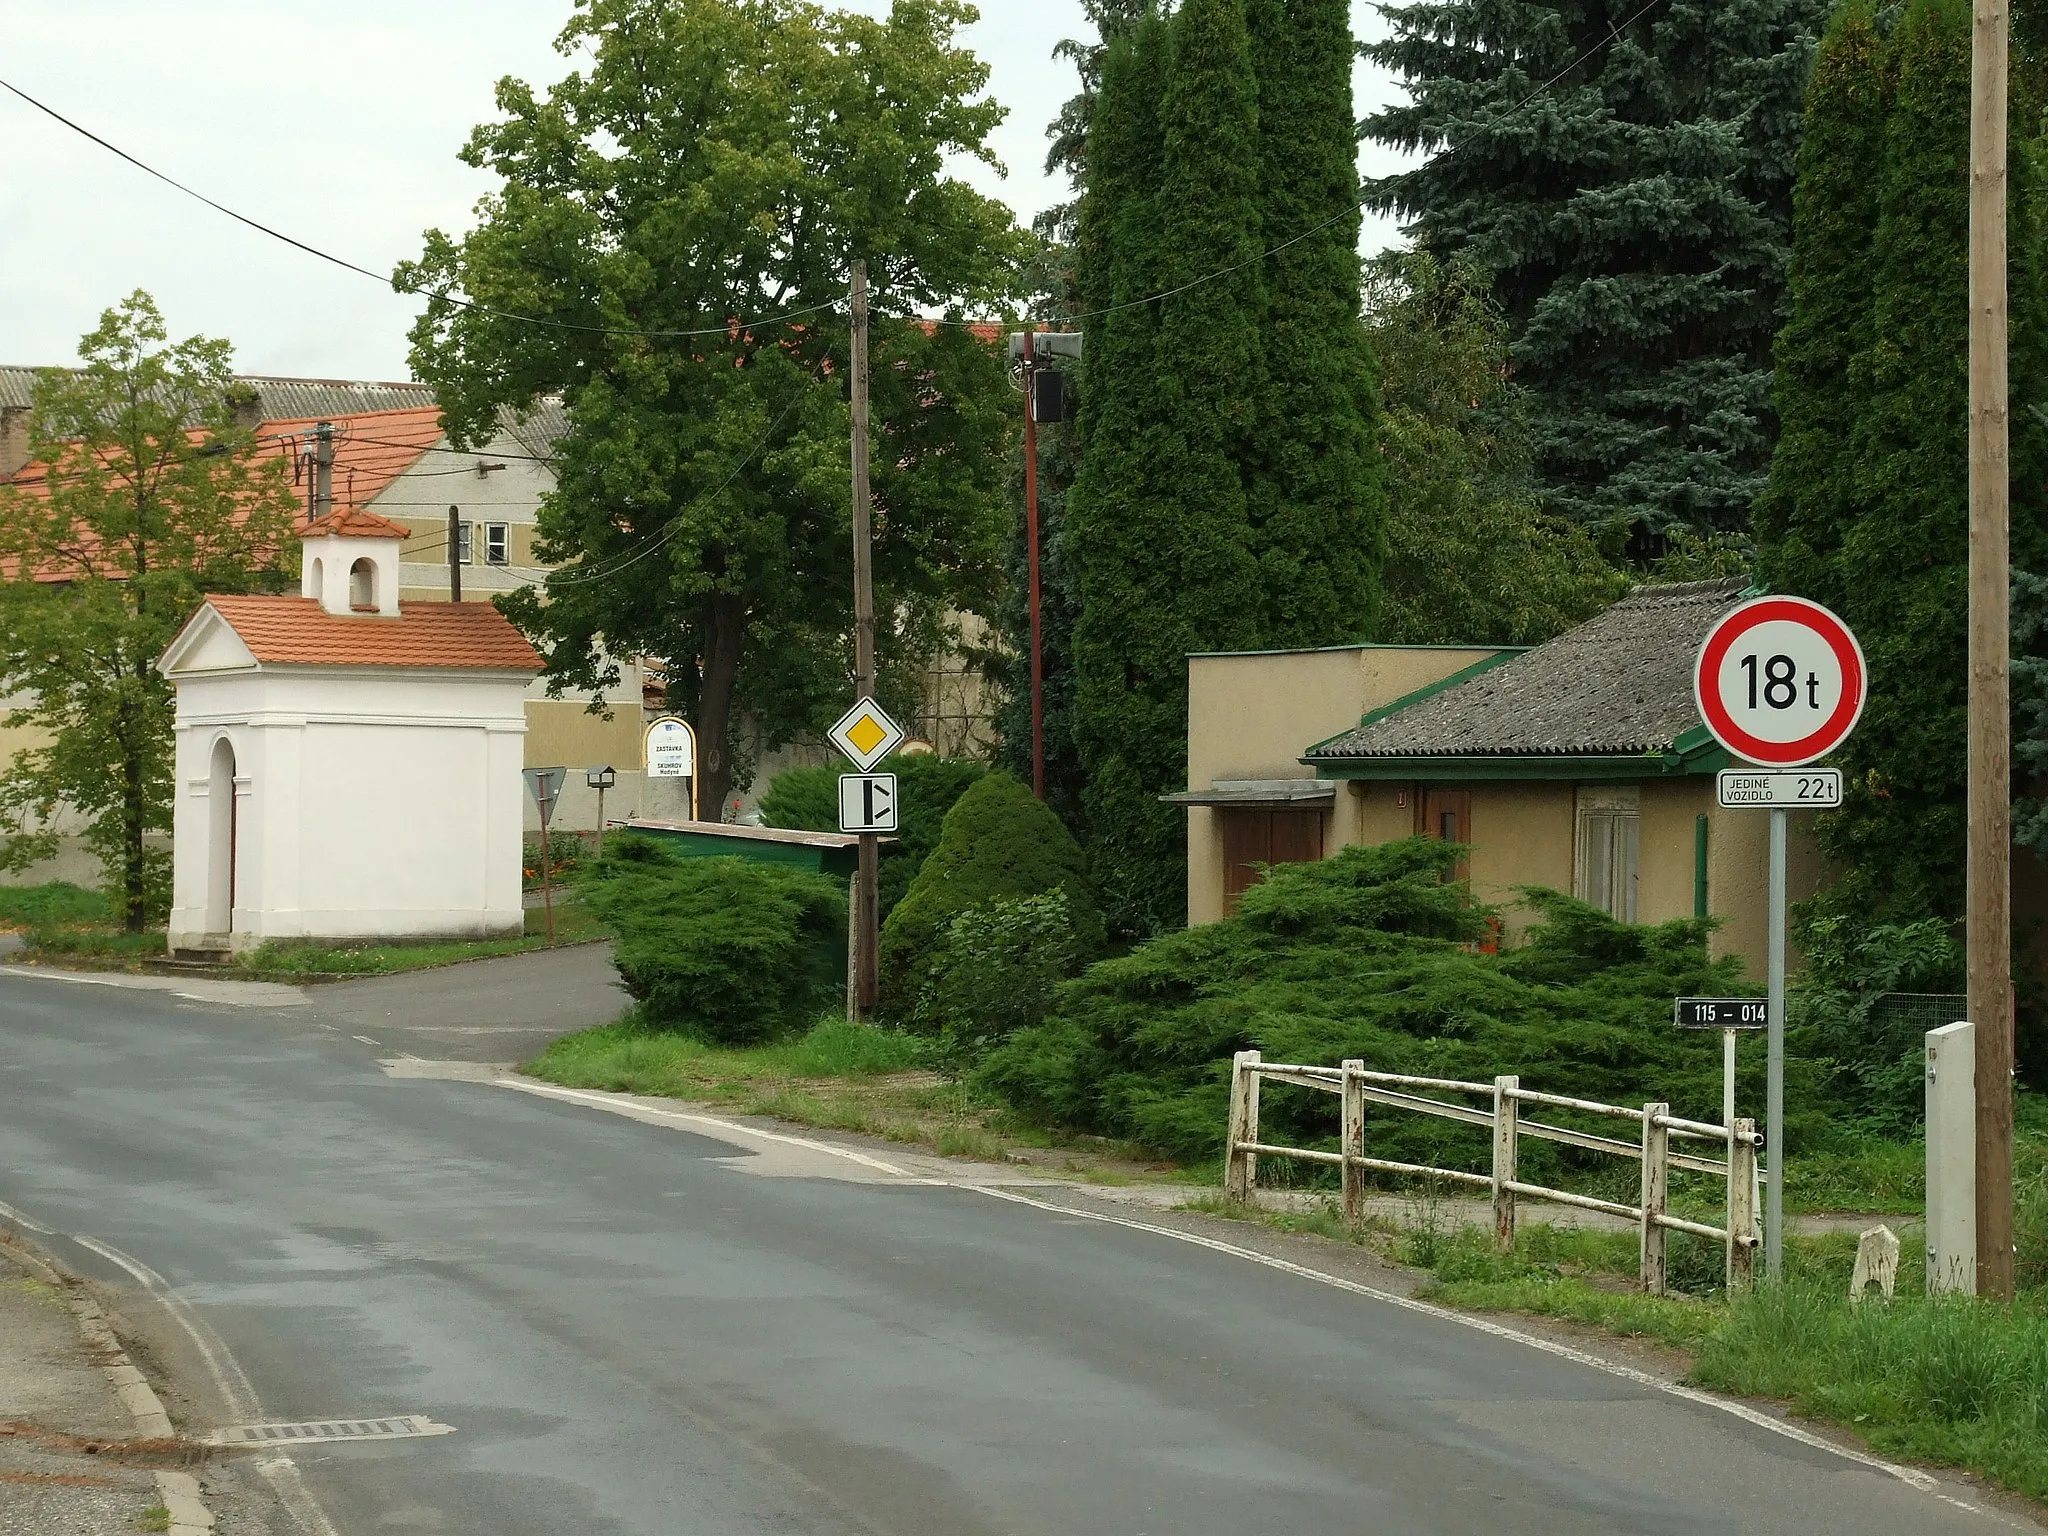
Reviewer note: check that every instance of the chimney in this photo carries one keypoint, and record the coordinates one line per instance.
(13, 440)
(247, 405)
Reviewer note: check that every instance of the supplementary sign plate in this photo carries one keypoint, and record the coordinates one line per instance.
(867, 802)
(671, 749)
(1720, 1013)
(1780, 682)
(1807, 789)
(545, 785)
(866, 735)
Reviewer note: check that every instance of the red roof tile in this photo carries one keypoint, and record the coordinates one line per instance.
(297, 631)
(354, 523)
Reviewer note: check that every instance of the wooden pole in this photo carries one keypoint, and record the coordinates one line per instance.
(1031, 562)
(1988, 960)
(865, 914)
(454, 554)
(1741, 1203)
(1656, 1185)
(1506, 1157)
(1351, 1140)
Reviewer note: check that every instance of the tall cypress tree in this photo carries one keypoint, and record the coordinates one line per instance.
(1636, 214)
(1157, 525)
(1869, 501)
(1318, 505)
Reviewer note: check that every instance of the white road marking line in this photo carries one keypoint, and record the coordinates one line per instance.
(16, 1218)
(364, 1038)
(236, 1392)
(632, 1111)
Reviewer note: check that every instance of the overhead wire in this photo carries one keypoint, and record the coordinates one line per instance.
(1612, 34)
(349, 266)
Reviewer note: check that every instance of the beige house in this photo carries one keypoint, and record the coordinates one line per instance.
(1580, 764)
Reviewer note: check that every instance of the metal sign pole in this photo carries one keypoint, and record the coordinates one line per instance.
(1774, 1106)
(1728, 1077)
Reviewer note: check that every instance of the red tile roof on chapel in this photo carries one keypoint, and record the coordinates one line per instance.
(297, 631)
(354, 523)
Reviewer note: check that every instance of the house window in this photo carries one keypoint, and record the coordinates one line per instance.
(1604, 861)
(465, 543)
(362, 587)
(498, 543)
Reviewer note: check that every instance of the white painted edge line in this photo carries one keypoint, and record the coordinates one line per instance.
(179, 1491)
(235, 1390)
(1912, 1476)
(632, 1111)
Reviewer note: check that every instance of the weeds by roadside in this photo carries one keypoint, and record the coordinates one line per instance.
(836, 1076)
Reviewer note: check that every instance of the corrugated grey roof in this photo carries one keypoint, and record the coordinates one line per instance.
(1618, 685)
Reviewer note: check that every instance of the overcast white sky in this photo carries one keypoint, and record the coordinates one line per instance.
(340, 127)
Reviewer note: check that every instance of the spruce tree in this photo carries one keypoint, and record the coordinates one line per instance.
(1626, 174)
(1157, 524)
(1869, 503)
(1318, 505)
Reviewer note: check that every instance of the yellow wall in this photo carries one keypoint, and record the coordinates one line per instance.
(562, 731)
(1252, 716)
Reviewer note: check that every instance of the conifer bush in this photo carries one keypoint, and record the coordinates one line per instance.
(730, 950)
(997, 842)
(1374, 954)
(807, 800)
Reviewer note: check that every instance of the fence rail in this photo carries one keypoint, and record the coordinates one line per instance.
(1502, 1116)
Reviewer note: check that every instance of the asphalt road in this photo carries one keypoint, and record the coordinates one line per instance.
(631, 1333)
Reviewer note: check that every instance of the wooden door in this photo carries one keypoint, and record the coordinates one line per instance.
(1255, 835)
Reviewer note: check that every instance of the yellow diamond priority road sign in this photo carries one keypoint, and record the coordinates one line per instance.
(866, 735)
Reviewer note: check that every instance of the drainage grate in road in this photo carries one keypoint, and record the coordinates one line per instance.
(327, 1431)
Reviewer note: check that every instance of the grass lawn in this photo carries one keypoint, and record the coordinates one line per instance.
(70, 925)
(839, 1076)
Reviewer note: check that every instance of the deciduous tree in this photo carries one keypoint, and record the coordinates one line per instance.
(145, 495)
(669, 250)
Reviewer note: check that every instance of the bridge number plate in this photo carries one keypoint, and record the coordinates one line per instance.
(1780, 682)
(1720, 1013)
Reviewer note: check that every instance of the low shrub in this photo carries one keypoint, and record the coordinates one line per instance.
(927, 787)
(1375, 954)
(1874, 1059)
(998, 841)
(726, 949)
(996, 973)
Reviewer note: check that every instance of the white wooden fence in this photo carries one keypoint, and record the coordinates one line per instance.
(1503, 1117)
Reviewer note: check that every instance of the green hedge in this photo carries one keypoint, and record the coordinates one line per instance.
(807, 800)
(998, 841)
(726, 949)
(1372, 954)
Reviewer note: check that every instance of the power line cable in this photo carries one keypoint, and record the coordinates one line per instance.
(348, 266)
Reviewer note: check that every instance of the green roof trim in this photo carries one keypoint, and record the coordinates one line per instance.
(1462, 675)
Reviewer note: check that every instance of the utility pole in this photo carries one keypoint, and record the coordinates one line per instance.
(1988, 963)
(1031, 561)
(455, 578)
(323, 469)
(866, 900)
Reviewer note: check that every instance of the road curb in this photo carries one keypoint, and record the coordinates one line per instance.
(179, 1491)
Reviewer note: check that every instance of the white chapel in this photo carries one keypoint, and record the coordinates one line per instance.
(347, 768)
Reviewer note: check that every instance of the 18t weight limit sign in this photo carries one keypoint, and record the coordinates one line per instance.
(1780, 682)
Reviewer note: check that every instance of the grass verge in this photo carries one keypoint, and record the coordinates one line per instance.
(837, 1076)
(70, 924)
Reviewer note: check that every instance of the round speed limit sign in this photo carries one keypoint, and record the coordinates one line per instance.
(1780, 682)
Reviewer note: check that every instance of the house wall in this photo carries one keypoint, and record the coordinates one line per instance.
(370, 805)
(1251, 716)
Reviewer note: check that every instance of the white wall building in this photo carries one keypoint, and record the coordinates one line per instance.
(348, 767)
